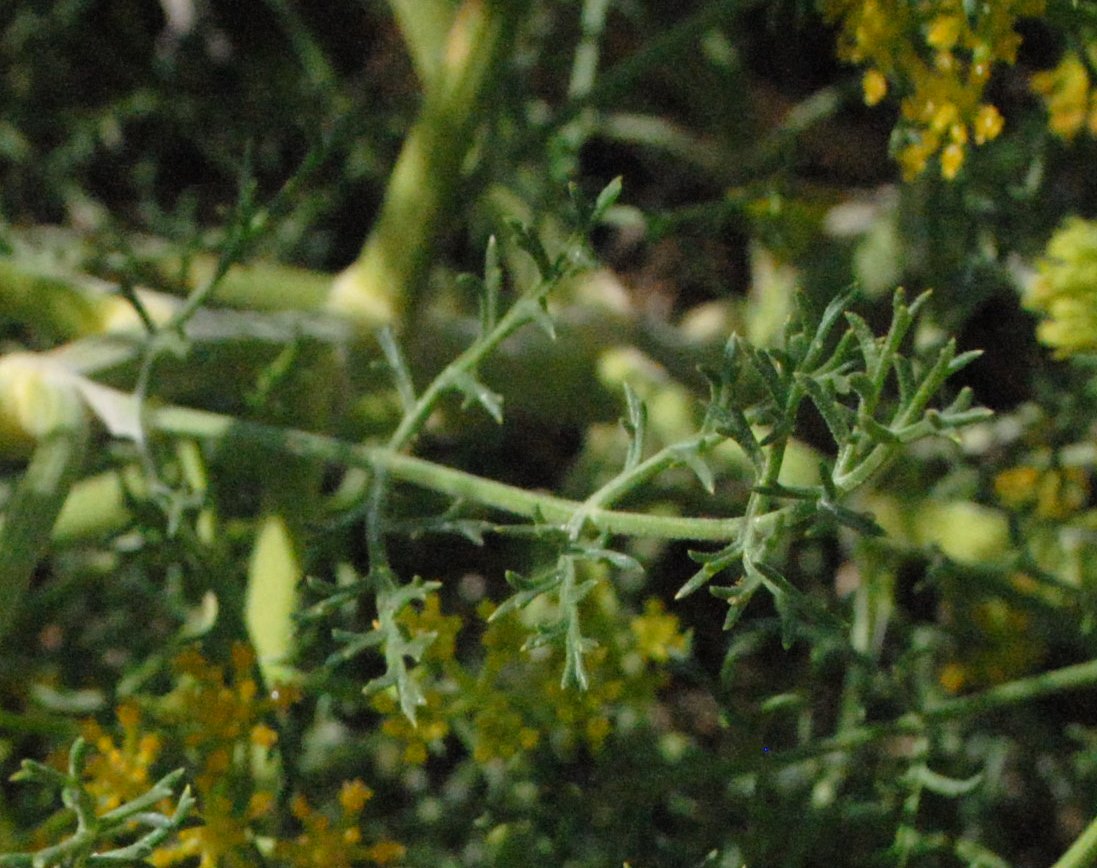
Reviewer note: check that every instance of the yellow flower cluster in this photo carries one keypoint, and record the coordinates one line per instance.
(220, 716)
(216, 719)
(118, 771)
(658, 635)
(1069, 97)
(1065, 291)
(1053, 493)
(511, 702)
(419, 739)
(995, 643)
(324, 843)
(941, 57)
(223, 840)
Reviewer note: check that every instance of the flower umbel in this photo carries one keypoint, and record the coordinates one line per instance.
(1065, 291)
(941, 57)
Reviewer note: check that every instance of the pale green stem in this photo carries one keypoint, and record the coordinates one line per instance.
(1080, 676)
(424, 25)
(203, 425)
(383, 284)
(1083, 852)
(464, 365)
(34, 507)
(643, 472)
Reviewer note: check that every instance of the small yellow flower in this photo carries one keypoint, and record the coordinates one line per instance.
(913, 159)
(386, 852)
(263, 736)
(952, 158)
(944, 31)
(1065, 90)
(945, 116)
(1016, 486)
(875, 86)
(354, 795)
(988, 124)
(259, 803)
(1065, 292)
(952, 677)
(656, 633)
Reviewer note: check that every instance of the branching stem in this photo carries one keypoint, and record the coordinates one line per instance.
(214, 427)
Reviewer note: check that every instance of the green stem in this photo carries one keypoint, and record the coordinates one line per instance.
(384, 282)
(464, 365)
(35, 505)
(621, 485)
(424, 24)
(1077, 677)
(203, 425)
(1083, 852)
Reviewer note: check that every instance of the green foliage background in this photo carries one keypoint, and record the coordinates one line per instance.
(912, 683)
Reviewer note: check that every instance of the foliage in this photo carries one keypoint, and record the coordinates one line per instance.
(520, 416)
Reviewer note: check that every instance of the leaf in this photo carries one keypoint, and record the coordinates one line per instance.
(575, 649)
(476, 392)
(763, 365)
(517, 581)
(904, 375)
(862, 522)
(866, 340)
(792, 492)
(530, 242)
(536, 312)
(962, 361)
(831, 314)
(635, 425)
(620, 560)
(730, 422)
(863, 386)
(399, 367)
(580, 592)
(833, 413)
(607, 198)
(713, 563)
(118, 411)
(689, 454)
(786, 593)
(943, 785)
(355, 644)
(490, 287)
(878, 432)
(737, 597)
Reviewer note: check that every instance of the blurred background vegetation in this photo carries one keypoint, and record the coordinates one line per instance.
(134, 135)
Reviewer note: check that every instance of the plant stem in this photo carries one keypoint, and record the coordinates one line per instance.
(1076, 677)
(424, 24)
(1083, 852)
(217, 428)
(383, 283)
(34, 507)
(521, 313)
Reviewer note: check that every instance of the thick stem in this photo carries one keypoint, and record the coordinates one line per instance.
(424, 24)
(1083, 851)
(382, 285)
(34, 507)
